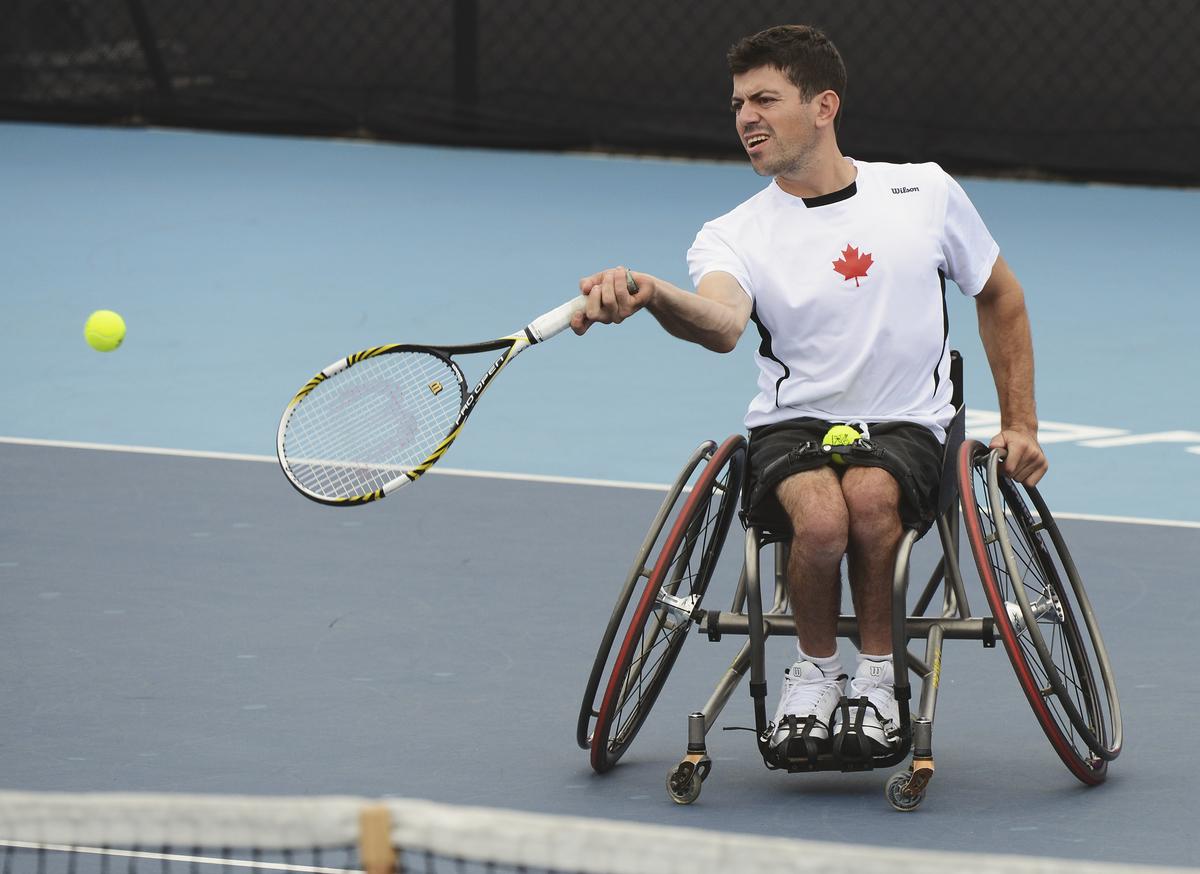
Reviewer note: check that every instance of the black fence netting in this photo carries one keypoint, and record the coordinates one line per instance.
(1097, 89)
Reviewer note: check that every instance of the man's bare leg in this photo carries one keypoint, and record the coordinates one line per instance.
(813, 501)
(872, 499)
(815, 683)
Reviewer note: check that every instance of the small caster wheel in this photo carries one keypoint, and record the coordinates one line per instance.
(898, 795)
(683, 783)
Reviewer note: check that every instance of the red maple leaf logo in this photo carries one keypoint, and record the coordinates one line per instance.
(853, 265)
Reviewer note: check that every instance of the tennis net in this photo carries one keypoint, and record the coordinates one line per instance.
(127, 833)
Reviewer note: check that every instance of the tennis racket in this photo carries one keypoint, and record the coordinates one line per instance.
(380, 418)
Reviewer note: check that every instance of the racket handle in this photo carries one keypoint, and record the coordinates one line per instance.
(557, 320)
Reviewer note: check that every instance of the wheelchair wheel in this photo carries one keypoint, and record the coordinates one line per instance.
(1043, 614)
(897, 794)
(666, 608)
(643, 564)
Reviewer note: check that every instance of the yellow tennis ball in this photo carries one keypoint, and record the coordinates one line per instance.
(104, 330)
(839, 435)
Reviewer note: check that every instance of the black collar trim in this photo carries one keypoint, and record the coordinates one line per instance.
(837, 196)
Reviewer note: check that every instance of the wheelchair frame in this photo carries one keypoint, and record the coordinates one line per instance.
(1083, 726)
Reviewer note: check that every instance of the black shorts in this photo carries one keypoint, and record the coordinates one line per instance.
(909, 452)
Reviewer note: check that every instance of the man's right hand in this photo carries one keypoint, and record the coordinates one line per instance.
(609, 301)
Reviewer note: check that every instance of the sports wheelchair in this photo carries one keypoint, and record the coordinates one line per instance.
(1039, 610)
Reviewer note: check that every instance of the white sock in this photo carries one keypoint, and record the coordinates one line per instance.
(866, 662)
(831, 666)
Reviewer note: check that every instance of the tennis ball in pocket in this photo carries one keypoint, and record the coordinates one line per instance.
(839, 435)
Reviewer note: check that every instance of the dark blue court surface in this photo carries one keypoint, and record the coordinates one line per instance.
(194, 625)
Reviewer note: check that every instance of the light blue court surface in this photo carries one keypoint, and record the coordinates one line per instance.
(244, 264)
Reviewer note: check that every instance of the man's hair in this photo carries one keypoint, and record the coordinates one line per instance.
(804, 54)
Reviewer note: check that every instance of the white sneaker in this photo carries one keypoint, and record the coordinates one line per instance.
(874, 681)
(806, 706)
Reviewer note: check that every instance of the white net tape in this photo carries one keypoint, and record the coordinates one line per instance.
(505, 839)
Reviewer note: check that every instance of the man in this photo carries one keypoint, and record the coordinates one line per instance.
(841, 264)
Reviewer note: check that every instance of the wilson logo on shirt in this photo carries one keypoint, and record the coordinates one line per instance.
(852, 265)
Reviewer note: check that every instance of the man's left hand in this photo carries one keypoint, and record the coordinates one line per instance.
(1024, 459)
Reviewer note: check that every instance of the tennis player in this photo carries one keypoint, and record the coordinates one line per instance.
(841, 264)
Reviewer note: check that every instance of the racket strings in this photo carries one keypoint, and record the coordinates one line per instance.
(371, 423)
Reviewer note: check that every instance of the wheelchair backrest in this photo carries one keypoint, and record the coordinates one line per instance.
(955, 434)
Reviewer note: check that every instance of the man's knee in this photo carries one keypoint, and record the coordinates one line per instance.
(820, 522)
(872, 498)
(822, 537)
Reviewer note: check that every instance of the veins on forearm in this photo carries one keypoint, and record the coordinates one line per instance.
(696, 319)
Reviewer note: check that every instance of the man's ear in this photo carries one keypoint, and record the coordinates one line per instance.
(827, 104)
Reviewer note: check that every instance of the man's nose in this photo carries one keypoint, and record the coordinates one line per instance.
(747, 115)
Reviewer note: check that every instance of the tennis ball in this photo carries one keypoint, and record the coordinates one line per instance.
(839, 435)
(104, 330)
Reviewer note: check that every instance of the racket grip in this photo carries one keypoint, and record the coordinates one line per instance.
(557, 320)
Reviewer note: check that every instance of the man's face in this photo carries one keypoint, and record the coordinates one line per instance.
(774, 122)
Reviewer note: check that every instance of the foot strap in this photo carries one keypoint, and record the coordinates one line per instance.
(850, 742)
(798, 744)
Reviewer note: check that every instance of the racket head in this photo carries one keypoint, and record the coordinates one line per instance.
(370, 423)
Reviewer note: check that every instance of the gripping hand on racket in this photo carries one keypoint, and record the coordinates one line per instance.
(714, 316)
(612, 296)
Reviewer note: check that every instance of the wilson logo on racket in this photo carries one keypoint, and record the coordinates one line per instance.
(435, 387)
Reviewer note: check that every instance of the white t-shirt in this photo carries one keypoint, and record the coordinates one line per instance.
(849, 292)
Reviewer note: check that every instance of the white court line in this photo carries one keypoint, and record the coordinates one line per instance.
(1126, 520)
(485, 474)
(237, 456)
